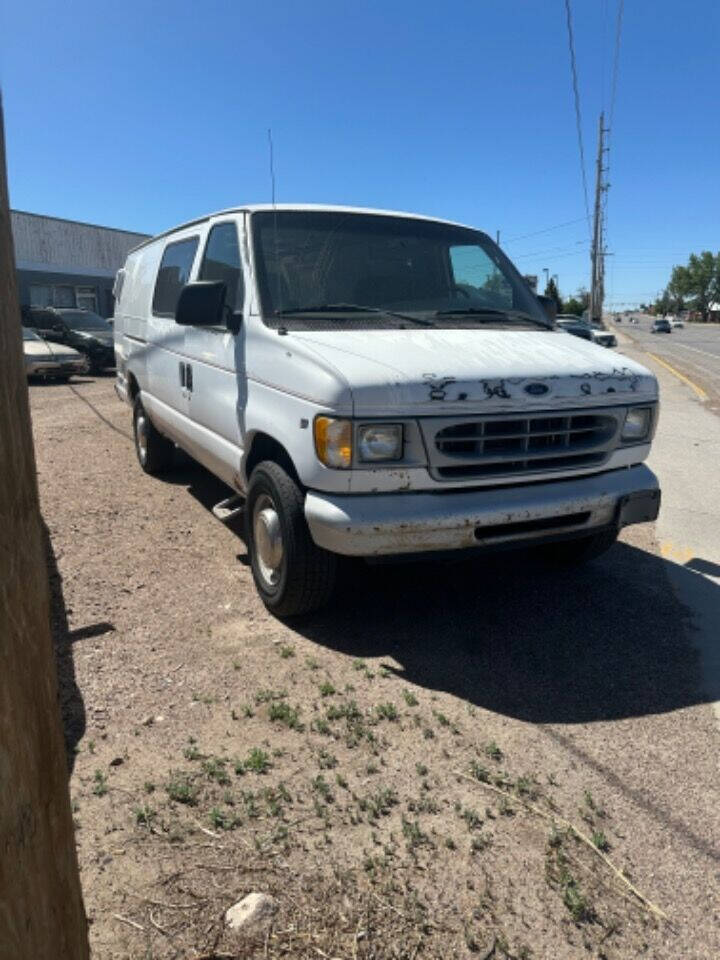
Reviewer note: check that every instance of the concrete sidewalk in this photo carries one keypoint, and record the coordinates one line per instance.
(686, 457)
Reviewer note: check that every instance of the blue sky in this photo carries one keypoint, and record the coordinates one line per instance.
(142, 115)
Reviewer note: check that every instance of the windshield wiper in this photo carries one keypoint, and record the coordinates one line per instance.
(352, 308)
(489, 312)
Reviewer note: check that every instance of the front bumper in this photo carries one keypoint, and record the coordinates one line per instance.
(66, 368)
(401, 523)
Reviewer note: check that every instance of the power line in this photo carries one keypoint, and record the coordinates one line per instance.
(616, 60)
(536, 233)
(578, 121)
(552, 250)
(582, 251)
(613, 91)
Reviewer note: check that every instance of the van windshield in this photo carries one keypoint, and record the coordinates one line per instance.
(320, 269)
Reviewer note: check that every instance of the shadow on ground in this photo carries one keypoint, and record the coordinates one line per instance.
(72, 706)
(513, 636)
(510, 634)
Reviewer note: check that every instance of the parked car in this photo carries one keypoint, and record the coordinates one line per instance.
(660, 325)
(83, 330)
(42, 359)
(574, 325)
(677, 324)
(340, 368)
(606, 338)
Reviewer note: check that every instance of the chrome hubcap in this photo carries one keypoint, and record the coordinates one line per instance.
(267, 535)
(141, 436)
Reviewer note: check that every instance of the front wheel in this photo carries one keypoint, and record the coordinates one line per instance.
(155, 452)
(292, 574)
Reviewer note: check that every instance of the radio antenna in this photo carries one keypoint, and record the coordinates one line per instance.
(276, 270)
(272, 165)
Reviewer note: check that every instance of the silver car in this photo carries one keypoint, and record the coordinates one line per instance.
(50, 360)
(606, 338)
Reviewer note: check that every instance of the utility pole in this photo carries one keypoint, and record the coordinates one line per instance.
(597, 252)
(41, 908)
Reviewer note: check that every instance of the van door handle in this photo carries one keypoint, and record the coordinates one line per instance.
(188, 377)
(182, 374)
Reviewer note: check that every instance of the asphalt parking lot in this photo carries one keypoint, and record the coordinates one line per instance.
(587, 682)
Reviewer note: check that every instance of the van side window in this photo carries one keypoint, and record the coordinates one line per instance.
(222, 262)
(172, 276)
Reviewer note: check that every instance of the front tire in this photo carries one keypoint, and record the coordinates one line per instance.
(292, 575)
(155, 452)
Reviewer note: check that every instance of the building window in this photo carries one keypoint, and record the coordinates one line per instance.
(86, 298)
(63, 296)
(40, 296)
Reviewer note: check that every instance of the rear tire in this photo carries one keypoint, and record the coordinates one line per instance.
(292, 575)
(155, 452)
(573, 553)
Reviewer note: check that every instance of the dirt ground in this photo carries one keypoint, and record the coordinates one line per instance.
(398, 771)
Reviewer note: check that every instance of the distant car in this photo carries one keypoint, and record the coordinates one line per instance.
(83, 330)
(575, 326)
(661, 325)
(602, 336)
(43, 359)
(677, 324)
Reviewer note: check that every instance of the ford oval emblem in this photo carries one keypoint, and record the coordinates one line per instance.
(537, 389)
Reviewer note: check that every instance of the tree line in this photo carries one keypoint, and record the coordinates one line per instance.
(575, 304)
(694, 287)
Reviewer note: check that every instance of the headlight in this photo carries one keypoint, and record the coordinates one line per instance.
(333, 442)
(637, 424)
(380, 441)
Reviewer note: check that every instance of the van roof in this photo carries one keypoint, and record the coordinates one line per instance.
(329, 208)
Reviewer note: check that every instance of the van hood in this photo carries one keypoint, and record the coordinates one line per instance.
(438, 371)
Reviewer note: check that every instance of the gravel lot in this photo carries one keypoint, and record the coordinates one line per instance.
(371, 766)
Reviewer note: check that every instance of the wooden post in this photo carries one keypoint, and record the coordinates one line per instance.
(41, 910)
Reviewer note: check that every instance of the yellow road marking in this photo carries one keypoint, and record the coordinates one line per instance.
(681, 376)
(672, 551)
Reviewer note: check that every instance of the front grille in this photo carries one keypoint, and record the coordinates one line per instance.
(496, 446)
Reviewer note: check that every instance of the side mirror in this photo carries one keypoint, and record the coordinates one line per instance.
(202, 304)
(548, 305)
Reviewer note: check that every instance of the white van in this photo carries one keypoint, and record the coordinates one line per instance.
(374, 384)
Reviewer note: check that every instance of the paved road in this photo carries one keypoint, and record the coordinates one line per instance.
(694, 350)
